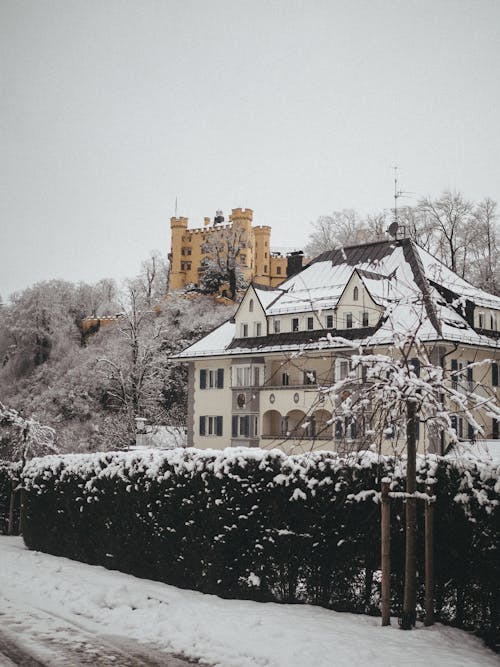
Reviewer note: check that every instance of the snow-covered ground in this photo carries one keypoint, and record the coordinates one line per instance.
(41, 596)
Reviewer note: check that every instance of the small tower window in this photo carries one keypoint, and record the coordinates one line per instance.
(355, 294)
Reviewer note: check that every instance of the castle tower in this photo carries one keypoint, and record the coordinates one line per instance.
(262, 254)
(177, 277)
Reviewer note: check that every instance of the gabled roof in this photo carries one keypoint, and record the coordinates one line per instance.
(415, 290)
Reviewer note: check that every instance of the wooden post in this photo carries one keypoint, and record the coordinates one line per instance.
(10, 530)
(409, 615)
(429, 559)
(385, 526)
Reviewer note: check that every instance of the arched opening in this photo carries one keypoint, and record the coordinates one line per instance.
(355, 294)
(250, 306)
(323, 429)
(271, 424)
(296, 419)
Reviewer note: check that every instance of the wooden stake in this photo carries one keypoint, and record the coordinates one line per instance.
(10, 530)
(429, 559)
(385, 525)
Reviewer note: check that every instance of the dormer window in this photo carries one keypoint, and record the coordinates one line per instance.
(493, 322)
(480, 320)
(355, 294)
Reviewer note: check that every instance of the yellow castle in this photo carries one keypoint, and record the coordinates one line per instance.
(191, 248)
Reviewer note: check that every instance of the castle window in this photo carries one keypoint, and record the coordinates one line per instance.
(243, 259)
(278, 270)
(355, 294)
(265, 255)
(265, 268)
(189, 251)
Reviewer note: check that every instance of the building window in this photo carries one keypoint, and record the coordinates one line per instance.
(329, 321)
(265, 268)
(244, 330)
(364, 319)
(348, 320)
(189, 251)
(310, 377)
(295, 323)
(355, 294)
(240, 426)
(285, 379)
(243, 259)
(310, 323)
(494, 428)
(250, 306)
(212, 378)
(258, 328)
(248, 376)
(480, 319)
(278, 270)
(342, 367)
(210, 425)
(276, 326)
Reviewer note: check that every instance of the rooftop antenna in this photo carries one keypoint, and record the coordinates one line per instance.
(394, 226)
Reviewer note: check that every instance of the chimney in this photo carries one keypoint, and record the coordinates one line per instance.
(294, 263)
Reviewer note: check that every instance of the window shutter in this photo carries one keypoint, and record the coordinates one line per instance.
(218, 426)
(235, 426)
(494, 374)
(203, 378)
(220, 378)
(202, 425)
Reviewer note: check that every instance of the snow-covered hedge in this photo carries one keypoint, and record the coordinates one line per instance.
(263, 525)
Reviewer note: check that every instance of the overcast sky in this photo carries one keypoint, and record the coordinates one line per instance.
(110, 109)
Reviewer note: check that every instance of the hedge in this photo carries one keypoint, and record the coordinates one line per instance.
(266, 526)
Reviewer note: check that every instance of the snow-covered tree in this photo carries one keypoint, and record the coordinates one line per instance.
(222, 264)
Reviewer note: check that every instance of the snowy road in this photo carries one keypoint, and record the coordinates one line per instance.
(60, 612)
(32, 637)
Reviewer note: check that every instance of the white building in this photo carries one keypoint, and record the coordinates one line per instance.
(255, 379)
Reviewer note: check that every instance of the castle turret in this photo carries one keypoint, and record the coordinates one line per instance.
(262, 254)
(178, 228)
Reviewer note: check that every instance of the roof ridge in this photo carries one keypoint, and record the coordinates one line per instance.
(414, 260)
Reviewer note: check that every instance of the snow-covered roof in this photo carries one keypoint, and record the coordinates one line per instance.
(415, 291)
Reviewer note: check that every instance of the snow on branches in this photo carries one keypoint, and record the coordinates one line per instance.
(30, 437)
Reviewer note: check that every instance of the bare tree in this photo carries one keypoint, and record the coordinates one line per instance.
(452, 217)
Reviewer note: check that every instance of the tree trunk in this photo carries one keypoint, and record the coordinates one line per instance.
(410, 590)
(232, 283)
